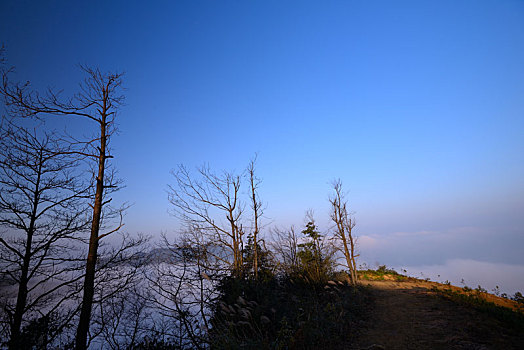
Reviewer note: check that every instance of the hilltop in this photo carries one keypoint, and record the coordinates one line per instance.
(408, 313)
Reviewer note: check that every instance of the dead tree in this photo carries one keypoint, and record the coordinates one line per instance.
(41, 214)
(119, 308)
(203, 203)
(183, 292)
(344, 224)
(285, 247)
(256, 206)
(97, 101)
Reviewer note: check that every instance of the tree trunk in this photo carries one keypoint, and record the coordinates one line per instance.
(255, 233)
(89, 281)
(21, 298)
(353, 262)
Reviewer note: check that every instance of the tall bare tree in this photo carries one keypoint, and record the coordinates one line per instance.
(344, 224)
(41, 214)
(256, 206)
(98, 101)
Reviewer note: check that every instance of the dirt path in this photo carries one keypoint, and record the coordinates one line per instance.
(407, 315)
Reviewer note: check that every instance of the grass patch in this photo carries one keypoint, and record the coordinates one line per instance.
(473, 298)
(287, 314)
(382, 273)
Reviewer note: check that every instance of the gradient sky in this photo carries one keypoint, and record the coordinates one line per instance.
(418, 106)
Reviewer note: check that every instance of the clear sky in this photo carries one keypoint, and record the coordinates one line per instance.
(418, 106)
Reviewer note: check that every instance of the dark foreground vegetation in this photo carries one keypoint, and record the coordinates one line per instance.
(287, 313)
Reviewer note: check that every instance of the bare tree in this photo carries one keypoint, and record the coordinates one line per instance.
(285, 246)
(213, 245)
(202, 203)
(119, 308)
(121, 320)
(344, 224)
(98, 101)
(41, 213)
(256, 206)
(183, 291)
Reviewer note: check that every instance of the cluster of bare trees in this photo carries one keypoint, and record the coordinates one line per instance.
(221, 214)
(55, 204)
(292, 251)
(211, 208)
(61, 277)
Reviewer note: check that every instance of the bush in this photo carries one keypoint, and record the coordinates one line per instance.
(518, 298)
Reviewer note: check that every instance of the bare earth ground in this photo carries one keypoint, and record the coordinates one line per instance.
(408, 315)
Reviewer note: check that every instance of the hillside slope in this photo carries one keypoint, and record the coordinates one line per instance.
(415, 314)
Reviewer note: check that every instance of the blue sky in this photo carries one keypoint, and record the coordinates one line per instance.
(418, 106)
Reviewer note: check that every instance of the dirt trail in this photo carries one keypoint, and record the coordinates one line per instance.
(407, 315)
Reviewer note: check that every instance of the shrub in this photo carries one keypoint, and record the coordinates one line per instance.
(518, 298)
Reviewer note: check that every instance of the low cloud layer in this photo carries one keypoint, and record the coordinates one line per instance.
(437, 247)
(476, 254)
(472, 273)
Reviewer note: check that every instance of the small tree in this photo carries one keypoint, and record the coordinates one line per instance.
(344, 225)
(285, 247)
(315, 263)
(264, 264)
(181, 289)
